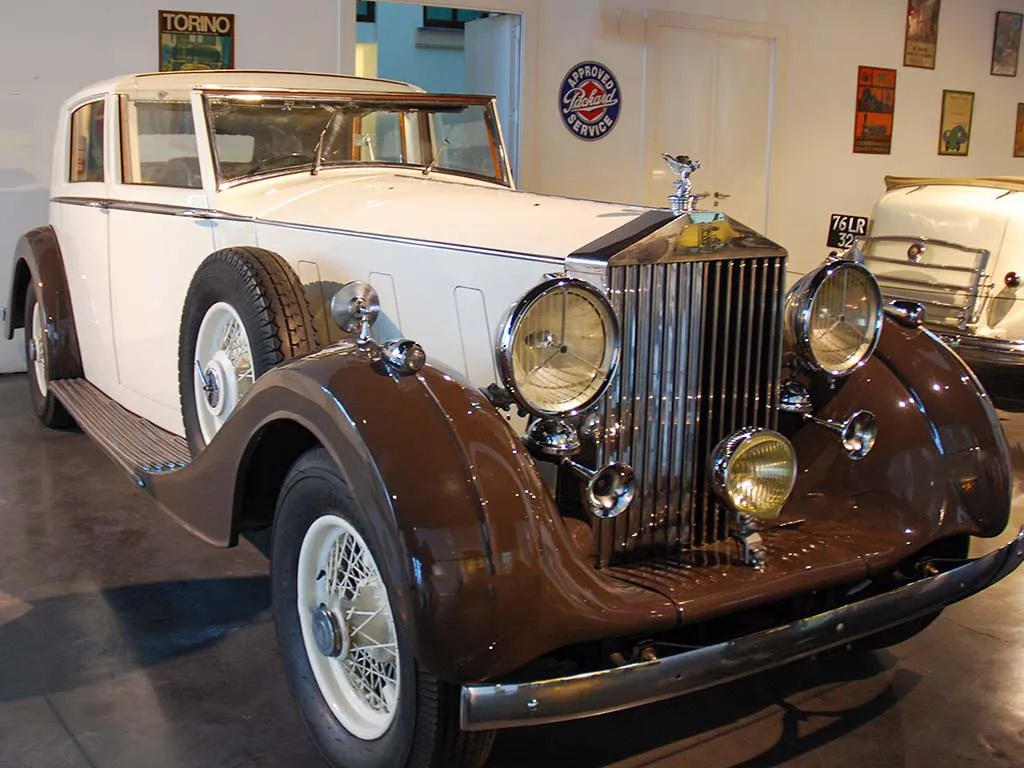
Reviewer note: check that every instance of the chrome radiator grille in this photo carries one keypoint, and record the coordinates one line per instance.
(701, 353)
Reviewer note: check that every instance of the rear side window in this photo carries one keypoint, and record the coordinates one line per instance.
(162, 148)
(87, 143)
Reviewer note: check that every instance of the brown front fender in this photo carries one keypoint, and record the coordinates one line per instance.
(488, 578)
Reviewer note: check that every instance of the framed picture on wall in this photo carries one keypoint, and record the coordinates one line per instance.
(190, 41)
(1006, 44)
(922, 36)
(876, 102)
(955, 125)
(1018, 134)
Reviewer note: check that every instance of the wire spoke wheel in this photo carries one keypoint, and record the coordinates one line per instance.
(223, 371)
(348, 628)
(37, 349)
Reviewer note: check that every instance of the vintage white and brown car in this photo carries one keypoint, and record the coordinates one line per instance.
(953, 246)
(526, 458)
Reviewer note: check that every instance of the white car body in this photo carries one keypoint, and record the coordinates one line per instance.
(130, 250)
(956, 246)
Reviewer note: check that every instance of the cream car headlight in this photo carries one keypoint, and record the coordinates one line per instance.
(834, 317)
(558, 348)
(753, 471)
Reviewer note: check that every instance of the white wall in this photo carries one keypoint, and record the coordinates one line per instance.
(815, 172)
(49, 48)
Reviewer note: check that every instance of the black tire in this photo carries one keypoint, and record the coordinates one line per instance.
(48, 408)
(272, 304)
(425, 731)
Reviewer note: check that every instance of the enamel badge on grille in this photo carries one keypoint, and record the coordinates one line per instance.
(589, 101)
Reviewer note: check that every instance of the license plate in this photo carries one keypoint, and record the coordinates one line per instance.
(845, 229)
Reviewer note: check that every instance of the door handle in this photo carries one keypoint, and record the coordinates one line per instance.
(721, 195)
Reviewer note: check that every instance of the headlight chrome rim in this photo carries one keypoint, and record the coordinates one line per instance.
(724, 456)
(512, 321)
(798, 315)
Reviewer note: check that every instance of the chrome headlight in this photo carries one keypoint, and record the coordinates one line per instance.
(558, 348)
(753, 471)
(834, 317)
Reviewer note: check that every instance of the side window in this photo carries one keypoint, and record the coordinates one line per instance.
(161, 150)
(87, 143)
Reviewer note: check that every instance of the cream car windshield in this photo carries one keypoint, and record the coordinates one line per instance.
(259, 135)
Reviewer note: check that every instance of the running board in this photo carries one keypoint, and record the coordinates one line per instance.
(138, 446)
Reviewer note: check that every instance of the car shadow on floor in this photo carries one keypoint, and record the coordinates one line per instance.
(674, 728)
(65, 642)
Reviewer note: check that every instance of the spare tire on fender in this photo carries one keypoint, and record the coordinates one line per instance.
(245, 313)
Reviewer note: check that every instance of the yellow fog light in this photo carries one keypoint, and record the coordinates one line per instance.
(753, 471)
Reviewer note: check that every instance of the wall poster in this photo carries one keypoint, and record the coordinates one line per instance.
(1006, 45)
(955, 127)
(922, 34)
(1018, 135)
(876, 100)
(191, 40)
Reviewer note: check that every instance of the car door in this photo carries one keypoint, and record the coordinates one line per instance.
(80, 217)
(156, 244)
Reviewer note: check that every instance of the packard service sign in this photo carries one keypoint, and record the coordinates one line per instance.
(589, 101)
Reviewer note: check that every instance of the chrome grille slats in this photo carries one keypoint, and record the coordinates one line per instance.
(700, 359)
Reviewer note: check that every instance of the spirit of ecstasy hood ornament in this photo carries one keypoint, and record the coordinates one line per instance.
(684, 200)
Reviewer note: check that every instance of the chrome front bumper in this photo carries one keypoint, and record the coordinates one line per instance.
(981, 349)
(594, 693)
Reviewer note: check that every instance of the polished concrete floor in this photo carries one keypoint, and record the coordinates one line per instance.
(127, 643)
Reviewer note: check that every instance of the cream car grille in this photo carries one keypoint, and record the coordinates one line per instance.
(701, 355)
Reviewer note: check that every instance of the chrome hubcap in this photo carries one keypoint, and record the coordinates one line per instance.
(224, 370)
(331, 636)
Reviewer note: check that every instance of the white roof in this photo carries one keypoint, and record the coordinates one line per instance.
(240, 78)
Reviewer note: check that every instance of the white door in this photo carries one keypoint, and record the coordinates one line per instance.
(709, 96)
(81, 220)
(493, 68)
(155, 248)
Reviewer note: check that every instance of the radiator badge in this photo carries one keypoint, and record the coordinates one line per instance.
(589, 101)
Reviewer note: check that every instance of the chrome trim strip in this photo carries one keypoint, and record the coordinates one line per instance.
(921, 240)
(923, 284)
(204, 213)
(980, 349)
(510, 705)
(904, 263)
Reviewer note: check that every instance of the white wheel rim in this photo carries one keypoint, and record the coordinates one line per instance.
(336, 572)
(37, 349)
(223, 369)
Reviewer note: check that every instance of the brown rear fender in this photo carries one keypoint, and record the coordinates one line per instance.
(491, 579)
(38, 261)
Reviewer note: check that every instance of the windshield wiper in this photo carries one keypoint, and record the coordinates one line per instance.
(318, 150)
(440, 151)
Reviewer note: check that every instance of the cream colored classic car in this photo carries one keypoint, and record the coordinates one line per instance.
(956, 247)
(526, 458)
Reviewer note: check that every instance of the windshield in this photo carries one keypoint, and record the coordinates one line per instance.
(258, 135)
